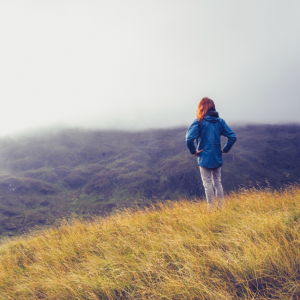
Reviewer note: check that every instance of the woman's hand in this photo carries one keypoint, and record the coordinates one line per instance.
(197, 152)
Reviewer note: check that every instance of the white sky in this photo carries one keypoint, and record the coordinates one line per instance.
(135, 64)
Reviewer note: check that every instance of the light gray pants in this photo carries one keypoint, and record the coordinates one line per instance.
(211, 179)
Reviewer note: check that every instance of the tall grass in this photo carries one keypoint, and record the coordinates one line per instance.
(250, 249)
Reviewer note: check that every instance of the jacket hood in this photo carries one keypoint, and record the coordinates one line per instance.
(211, 119)
(212, 116)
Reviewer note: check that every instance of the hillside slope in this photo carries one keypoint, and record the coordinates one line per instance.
(46, 176)
(247, 250)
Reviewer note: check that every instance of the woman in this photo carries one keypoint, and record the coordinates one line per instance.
(207, 129)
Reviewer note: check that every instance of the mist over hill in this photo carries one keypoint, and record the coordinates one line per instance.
(51, 175)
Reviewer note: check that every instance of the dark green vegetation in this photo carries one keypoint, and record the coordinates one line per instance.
(44, 177)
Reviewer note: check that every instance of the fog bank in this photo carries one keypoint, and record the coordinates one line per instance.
(146, 64)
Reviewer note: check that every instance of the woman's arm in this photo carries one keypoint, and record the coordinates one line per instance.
(231, 137)
(191, 135)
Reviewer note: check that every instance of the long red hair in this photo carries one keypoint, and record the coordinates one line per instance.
(204, 105)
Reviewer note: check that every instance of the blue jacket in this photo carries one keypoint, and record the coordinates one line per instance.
(208, 137)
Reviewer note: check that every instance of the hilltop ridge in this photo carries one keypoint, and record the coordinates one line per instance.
(48, 176)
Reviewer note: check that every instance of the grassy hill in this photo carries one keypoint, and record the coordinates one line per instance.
(177, 250)
(47, 176)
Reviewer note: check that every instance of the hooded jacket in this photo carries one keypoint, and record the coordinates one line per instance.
(208, 137)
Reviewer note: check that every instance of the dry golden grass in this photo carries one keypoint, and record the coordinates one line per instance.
(248, 250)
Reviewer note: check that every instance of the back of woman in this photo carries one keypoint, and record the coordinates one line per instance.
(207, 130)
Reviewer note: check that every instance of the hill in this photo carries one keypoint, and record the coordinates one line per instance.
(176, 250)
(47, 176)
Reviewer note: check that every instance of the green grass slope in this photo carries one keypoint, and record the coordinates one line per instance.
(247, 250)
(44, 177)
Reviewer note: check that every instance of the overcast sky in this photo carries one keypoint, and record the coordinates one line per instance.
(136, 64)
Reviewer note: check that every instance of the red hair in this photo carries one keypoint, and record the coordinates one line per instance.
(204, 105)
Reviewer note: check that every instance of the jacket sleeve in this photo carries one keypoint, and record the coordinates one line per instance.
(231, 136)
(191, 135)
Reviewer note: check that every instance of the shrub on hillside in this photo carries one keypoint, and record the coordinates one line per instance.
(76, 179)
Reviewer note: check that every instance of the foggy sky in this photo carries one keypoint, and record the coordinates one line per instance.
(136, 64)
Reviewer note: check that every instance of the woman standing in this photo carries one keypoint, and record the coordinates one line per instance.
(207, 130)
